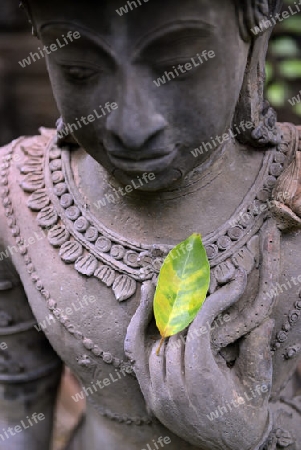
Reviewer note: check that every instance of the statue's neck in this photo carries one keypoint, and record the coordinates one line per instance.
(204, 201)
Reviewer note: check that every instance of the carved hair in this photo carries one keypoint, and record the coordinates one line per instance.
(252, 12)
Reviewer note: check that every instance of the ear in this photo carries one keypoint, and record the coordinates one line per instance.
(251, 106)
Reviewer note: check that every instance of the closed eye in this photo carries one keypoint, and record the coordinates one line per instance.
(79, 73)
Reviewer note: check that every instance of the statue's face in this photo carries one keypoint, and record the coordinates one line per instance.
(116, 61)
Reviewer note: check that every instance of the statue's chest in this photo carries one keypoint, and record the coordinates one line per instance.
(83, 285)
(83, 274)
(80, 316)
(84, 322)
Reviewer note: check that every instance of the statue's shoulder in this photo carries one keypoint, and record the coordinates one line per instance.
(19, 163)
(23, 151)
(23, 156)
(44, 134)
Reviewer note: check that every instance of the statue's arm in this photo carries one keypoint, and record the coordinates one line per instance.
(30, 370)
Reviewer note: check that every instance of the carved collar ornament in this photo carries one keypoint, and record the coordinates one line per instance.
(82, 239)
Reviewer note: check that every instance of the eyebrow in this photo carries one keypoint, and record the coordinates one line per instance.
(153, 37)
(158, 33)
(86, 33)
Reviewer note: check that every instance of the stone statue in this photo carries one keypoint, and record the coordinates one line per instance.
(164, 132)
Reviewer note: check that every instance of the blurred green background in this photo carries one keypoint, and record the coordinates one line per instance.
(283, 68)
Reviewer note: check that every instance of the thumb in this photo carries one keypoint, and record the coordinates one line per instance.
(134, 344)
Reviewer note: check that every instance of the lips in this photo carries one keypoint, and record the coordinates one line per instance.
(154, 163)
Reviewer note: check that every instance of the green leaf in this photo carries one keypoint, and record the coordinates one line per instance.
(182, 286)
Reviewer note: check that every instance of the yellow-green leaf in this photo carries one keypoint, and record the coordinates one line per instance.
(182, 286)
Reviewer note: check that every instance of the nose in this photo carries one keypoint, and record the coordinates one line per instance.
(135, 122)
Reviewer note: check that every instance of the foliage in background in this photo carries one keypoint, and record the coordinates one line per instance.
(283, 66)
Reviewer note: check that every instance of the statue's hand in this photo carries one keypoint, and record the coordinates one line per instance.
(189, 386)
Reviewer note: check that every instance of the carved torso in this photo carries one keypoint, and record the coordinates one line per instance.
(86, 278)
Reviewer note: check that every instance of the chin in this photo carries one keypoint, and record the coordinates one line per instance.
(142, 183)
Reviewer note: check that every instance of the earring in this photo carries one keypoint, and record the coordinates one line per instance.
(267, 132)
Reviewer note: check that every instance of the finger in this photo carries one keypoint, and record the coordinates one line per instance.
(256, 312)
(168, 384)
(135, 341)
(175, 370)
(254, 365)
(198, 351)
(218, 302)
(157, 367)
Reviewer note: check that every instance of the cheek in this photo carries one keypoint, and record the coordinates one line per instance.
(76, 100)
(86, 120)
(90, 138)
(210, 106)
(206, 105)
(212, 93)
(202, 115)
